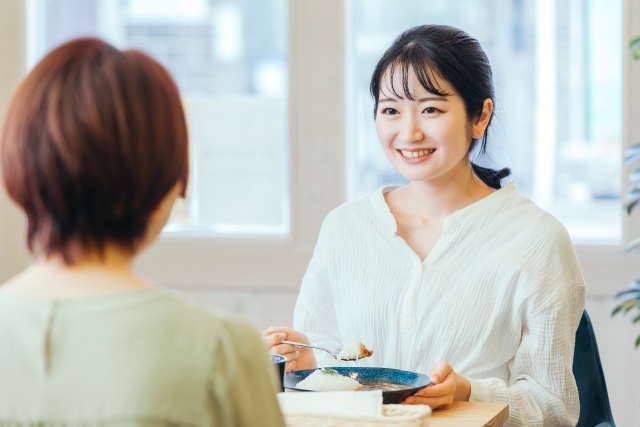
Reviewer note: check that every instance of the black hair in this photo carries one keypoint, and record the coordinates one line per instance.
(456, 57)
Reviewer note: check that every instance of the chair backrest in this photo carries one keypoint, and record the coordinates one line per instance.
(594, 400)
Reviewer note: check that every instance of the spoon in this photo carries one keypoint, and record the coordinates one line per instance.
(334, 355)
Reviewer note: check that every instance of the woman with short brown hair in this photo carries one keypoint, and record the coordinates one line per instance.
(94, 150)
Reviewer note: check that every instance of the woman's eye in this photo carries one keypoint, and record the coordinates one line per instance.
(430, 110)
(389, 111)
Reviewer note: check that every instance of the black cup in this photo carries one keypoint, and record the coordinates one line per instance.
(280, 363)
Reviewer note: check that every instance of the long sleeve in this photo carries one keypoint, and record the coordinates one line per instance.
(315, 310)
(541, 390)
(242, 388)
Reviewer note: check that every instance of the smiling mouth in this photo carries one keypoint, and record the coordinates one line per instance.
(416, 154)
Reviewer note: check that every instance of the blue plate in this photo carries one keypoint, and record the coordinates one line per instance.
(396, 385)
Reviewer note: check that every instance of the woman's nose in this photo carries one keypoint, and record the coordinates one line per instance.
(410, 130)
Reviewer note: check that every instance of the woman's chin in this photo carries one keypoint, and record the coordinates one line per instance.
(428, 170)
(411, 174)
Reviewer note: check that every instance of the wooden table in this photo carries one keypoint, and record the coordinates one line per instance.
(470, 414)
(466, 414)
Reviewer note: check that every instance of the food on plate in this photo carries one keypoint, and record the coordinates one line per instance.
(354, 351)
(328, 380)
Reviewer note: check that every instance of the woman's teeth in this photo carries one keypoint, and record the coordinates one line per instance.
(416, 154)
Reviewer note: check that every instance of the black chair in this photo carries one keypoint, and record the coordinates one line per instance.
(595, 410)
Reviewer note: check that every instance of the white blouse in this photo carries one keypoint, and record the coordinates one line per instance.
(499, 297)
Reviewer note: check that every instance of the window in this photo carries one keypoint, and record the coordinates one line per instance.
(323, 134)
(558, 85)
(229, 59)
(272, 83)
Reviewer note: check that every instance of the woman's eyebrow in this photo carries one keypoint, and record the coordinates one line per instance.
(433, 98)
(428, 98)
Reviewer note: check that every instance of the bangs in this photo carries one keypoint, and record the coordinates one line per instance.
(425, 70)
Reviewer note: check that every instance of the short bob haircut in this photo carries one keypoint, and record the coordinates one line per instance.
(94, 139)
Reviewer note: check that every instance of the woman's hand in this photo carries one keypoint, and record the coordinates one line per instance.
(448, 386)
(299, 357)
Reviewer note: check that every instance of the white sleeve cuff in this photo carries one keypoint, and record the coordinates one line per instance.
(480, 390)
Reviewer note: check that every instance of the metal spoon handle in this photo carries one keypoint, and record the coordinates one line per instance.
(307, 345)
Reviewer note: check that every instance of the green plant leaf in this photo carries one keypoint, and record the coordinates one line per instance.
(636, 53)
(634, 175)
(632, 244)
(627, 291)
(628, 294)
(631, 154)
(618, 309)
(636, 319)
(638, 342)
(633, 287)
(633, 198)
(633, 42)
(633, 186)
(625, 306)
(630, 206)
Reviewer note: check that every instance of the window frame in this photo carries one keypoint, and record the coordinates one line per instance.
(318, 168)
(631, 105)
(316, 173)
(14, 255)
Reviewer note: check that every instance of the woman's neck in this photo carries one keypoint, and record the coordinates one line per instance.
(90, 275)
(442, 196)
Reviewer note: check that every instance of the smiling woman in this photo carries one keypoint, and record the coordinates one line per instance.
(451, 276)
(420, 63)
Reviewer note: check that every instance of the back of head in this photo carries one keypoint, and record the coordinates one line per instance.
(453, 55)
(94, 139)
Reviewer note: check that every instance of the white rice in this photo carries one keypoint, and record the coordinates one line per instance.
(350, 351)
(328, 380)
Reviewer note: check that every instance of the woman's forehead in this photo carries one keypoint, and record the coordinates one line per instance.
(400, 81)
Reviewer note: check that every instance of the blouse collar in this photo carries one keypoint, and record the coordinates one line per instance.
(491, 203)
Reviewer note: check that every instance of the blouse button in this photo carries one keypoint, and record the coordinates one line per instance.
(452, 219)
(407, 324)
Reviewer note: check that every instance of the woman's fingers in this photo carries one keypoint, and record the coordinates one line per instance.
(290, 356)
(291, 334)
(432, 402)
(441, 392)
(439, 371)
(284, 349)
(273, 339)
(445, 388)
(275, 330)
(303, 357)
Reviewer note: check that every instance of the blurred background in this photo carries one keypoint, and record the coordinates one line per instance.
(557, 71)
(282, 131)
(230, 62)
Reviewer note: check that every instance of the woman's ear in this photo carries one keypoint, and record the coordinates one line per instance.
(483, 121)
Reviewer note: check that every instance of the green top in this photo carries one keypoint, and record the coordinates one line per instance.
(140, 358)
